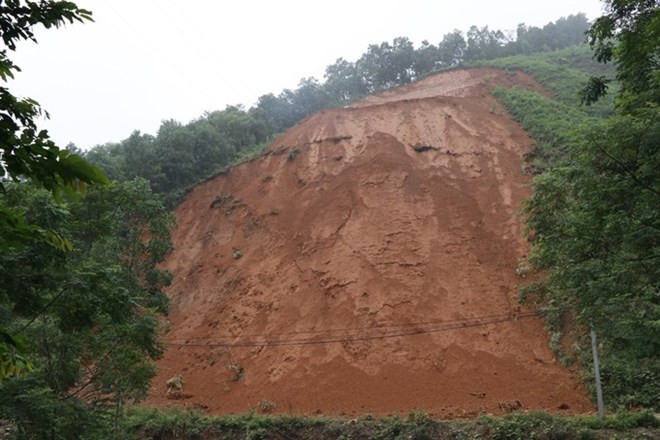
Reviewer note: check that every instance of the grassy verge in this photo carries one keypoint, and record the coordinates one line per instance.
(143, 423)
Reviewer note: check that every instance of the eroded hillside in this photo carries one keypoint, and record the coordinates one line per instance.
(366, 264)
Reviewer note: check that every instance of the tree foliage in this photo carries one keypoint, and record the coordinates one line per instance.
(180, 155)
(596, 225)
(27, 152)
(595, 217)
(564, 32)
(629, 35)
(90, 315)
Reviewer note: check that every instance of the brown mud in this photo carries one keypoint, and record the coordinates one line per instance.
(367, 264)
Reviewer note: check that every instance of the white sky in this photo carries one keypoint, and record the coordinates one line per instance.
(143, 61)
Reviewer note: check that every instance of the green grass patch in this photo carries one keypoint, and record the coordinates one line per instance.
(551, 123)
(564, 73)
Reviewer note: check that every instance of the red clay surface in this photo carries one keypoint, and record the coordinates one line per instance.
(377, 269)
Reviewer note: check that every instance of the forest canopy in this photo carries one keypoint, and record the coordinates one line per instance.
(180, 155)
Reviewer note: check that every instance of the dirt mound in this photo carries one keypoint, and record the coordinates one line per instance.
(367, 264)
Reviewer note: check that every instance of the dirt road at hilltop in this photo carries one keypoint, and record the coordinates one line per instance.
(367, 264)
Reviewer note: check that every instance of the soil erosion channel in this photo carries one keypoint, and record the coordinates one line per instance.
(366, 264)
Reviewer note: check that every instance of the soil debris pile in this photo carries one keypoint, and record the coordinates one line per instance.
(366, 264)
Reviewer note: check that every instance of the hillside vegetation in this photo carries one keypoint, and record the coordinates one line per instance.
(180, 424)
(571, 139)
(553, 121)
(180, 155)
(594, 217)
(81, 288)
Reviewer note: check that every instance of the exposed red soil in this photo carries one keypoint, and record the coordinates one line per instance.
(377, 268)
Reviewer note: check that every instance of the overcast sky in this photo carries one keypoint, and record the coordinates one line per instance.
(144, 61)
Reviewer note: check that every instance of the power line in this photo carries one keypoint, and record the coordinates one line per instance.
(373, 327)
(159, 54)
(444, 326)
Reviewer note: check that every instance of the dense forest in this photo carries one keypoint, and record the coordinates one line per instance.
(80, 288)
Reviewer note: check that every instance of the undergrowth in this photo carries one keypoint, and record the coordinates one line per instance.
(176, 423)
(563, 72)
(555, 126)
(551, 123)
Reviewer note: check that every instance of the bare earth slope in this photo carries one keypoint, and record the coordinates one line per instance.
(367, 264)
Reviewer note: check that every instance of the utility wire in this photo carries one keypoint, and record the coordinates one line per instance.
(41, 312)
(440, 327)
(374, 327)
(156, 51)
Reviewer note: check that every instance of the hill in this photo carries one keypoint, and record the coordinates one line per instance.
(367, 263)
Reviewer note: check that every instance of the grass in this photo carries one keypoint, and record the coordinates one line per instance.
(551, 123)
(556, 126)
(147, 423)
(563, 72)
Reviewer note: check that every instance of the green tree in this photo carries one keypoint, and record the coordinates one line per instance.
(483, 43)
(344, 82)
(451, 50)
(571, 30)
(629, 35)
(309, 97)
(564, 32)
(91, 315)
(426, 59)
(182, 154)
(387, 65)
(276, 112)
(241, 129)
(595, 218)
(109, 159)
(26, 152)
(175, 156)
(29, 153)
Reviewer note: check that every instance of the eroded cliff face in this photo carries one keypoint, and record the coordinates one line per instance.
(366, 264)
